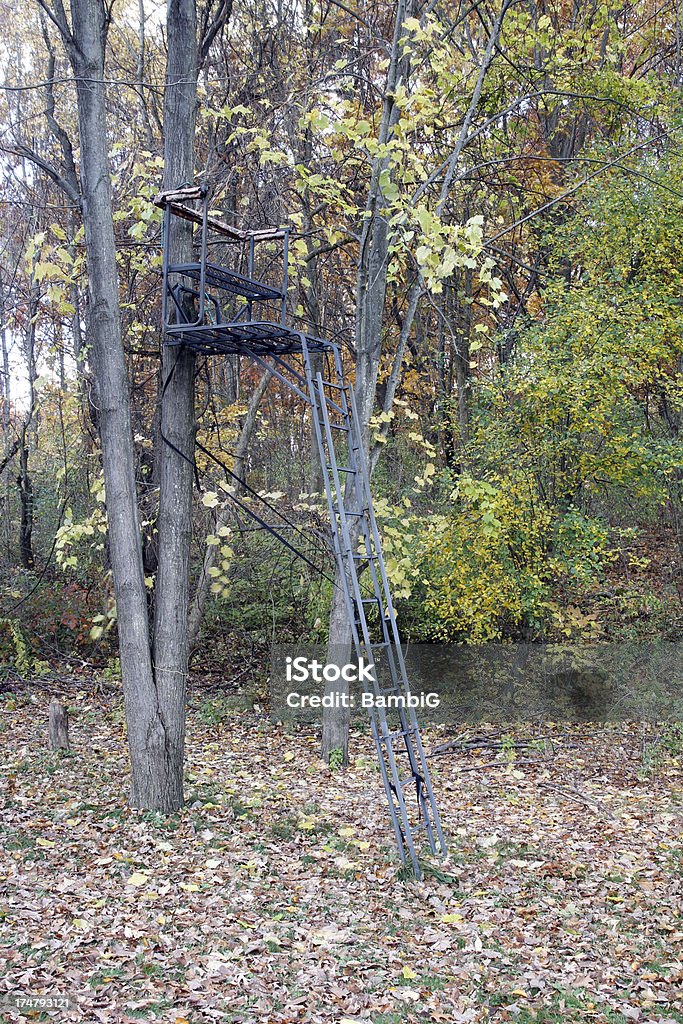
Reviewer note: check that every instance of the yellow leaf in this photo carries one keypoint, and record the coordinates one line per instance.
(47, 844)
(347, 832)
(306, 824)
(289, 755)
(137, 878)
(452, 918)
(362, 844)
(189, 887)
(409, 974)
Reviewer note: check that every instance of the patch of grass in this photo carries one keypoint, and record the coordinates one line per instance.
(19, 841)
(104, 976)
(241, 810)
(515, 851)
(203, 793)
(405, 873)
(562, 1008)
(431, 870)
(433, 982)
(215, 711)
(157, 819)
(337, 844)
(153, 1009)
(395, 1017)
(336, 760)
(285, 829)
(674, 863)
(322, 828)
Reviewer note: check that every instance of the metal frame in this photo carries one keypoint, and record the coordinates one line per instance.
(192, 204)
(347, 489)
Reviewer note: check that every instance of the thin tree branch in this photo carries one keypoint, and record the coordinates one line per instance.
(209, 32)
(25, 152)
(574, 188)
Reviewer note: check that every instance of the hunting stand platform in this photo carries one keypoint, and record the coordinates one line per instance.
(216, 310)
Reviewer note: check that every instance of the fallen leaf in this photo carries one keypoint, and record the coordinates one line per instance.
(138, 878)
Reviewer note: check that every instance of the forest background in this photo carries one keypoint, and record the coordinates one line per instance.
(524, 417)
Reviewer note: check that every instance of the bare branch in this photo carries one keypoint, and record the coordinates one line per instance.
(57, 16)
(209, 32)
(27, 153)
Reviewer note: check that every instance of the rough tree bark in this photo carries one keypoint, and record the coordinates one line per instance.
(58, 726)
(371, 284)
(177, 424)
(85, 46)
(25, 487)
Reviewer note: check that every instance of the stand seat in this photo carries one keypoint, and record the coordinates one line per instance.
(226, 280)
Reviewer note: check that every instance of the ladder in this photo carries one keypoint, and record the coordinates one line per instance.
(403, 766)
(259, 330)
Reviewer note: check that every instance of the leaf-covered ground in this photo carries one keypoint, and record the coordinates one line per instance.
(275, 895)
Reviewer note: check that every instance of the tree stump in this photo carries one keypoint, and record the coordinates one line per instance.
(58, 728)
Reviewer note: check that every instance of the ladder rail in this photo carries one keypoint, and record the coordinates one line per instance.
(340, 540)
(356, 484)
(348, 572)
(417, 758)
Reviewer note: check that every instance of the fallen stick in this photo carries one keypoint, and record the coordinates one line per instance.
(498, 764)
(579, 797)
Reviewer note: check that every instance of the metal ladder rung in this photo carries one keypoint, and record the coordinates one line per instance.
(340, 469)
(337, 387)
(399, 734)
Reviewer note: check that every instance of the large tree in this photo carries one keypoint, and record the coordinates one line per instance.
(153, 664)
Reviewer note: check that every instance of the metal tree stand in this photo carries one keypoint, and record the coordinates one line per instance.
(226, 304)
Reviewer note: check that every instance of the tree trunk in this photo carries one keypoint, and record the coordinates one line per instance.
(461, 359)
(58, 726)
(9, 447)
(171, 637)
(25, 485)
(371, 281)
(336, 720)
(146, 737)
